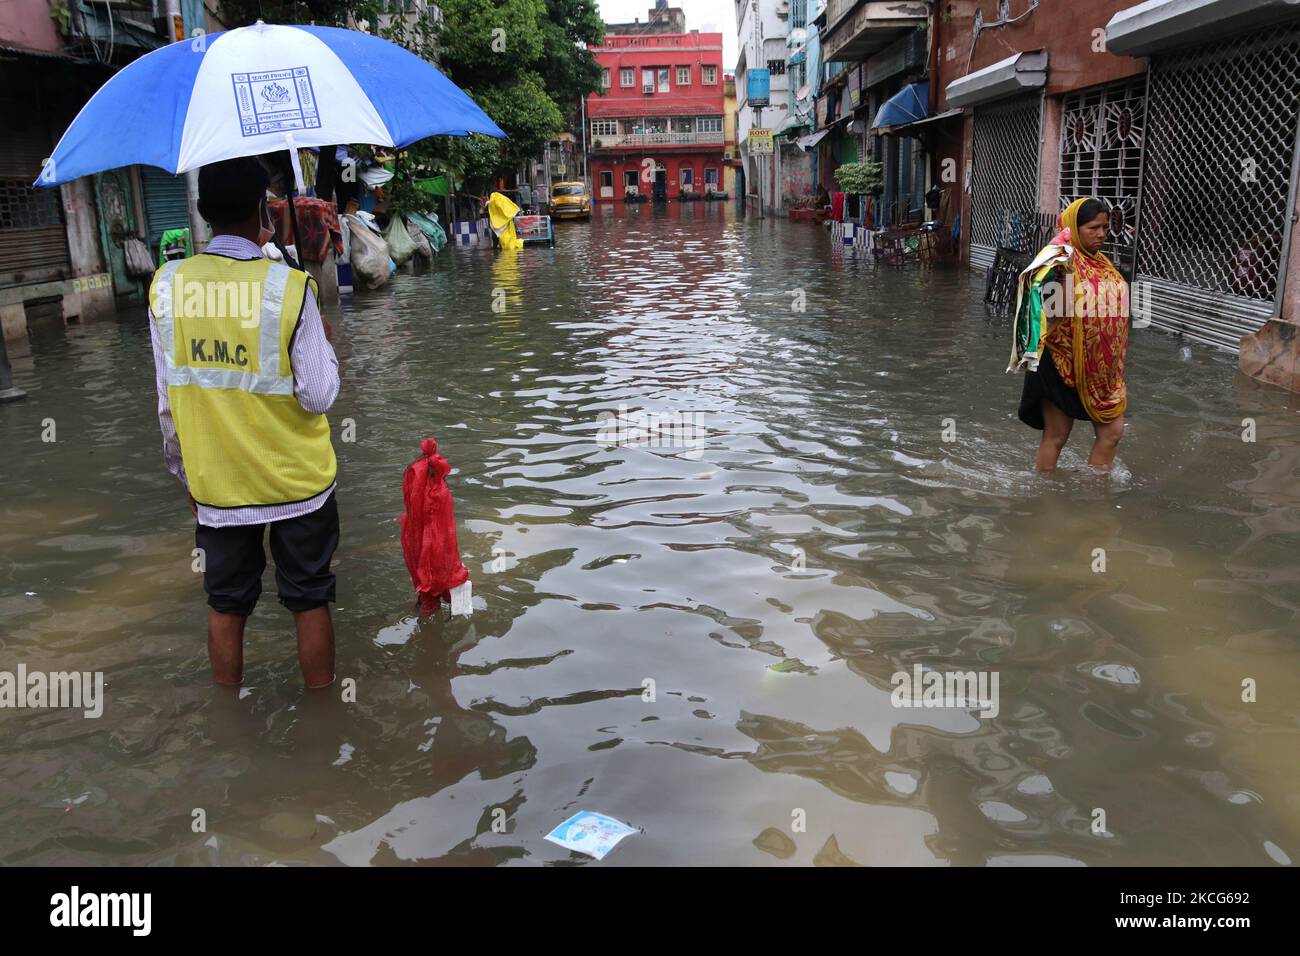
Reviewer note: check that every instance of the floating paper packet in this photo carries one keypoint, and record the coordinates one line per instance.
(591, 833)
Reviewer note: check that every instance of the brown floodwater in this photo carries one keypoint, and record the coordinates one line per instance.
(697, 635)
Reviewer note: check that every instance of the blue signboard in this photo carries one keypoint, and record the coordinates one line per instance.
(760, 87)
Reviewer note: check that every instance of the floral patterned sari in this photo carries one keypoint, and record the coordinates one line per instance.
(1087, 332)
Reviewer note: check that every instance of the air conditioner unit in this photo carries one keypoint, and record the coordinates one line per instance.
(726, 155)
(648, 88)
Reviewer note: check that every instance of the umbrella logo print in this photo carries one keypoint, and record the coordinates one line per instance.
(274, 94)
(275, 101)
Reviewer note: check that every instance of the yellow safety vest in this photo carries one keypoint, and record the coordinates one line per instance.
(225, 326)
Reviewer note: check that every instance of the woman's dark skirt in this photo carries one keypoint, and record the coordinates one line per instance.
(1046, 385)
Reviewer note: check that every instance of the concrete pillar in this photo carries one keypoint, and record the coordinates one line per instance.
(1049, 163)
(1272, 355)
(967, 171)
(84, 250)
(13, 321)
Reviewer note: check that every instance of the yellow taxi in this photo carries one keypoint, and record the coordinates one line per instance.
(570, 201)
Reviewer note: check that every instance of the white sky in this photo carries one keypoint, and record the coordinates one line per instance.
(707, 16)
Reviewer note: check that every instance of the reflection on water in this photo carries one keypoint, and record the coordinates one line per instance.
(762, 587)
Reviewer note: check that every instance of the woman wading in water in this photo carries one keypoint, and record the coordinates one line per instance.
(1072, 303)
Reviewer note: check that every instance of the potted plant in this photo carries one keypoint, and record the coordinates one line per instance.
(858, 179)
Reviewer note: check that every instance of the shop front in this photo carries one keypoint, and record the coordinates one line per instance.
(1219, 183)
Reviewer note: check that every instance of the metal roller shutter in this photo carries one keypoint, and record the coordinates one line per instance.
(1004, 177)
(165, 204)
(33, 238)
(1218, 188)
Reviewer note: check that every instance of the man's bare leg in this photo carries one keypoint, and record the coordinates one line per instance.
(226, 647)
(316, 646)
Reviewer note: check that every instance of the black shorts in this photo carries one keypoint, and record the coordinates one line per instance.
(302, 548)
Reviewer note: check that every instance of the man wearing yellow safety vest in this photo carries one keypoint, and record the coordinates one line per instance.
(245, 375)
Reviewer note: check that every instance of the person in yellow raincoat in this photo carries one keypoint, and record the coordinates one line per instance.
(501, 216)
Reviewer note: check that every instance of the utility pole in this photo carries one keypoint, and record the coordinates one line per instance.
(583, 101)
(761, 61)
(546, 175)
(198, 228)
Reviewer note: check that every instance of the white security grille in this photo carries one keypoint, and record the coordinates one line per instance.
(1101, 156)
(1004, 177)
(1217, 185)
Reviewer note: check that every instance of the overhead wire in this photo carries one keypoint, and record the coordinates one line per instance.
(980, 27)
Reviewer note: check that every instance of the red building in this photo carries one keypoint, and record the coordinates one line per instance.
(656, 129)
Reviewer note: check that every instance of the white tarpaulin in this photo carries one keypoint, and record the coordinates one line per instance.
(811, 140)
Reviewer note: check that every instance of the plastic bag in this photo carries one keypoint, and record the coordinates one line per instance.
(422, 247)
(400, 244)
(368, 220)
(345, 232)
(369, 256)
(374, 176)
(138, 260)
(428, 223)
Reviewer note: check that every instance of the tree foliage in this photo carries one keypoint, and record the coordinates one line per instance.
(485, 42)
(524, 110)
(570, 70)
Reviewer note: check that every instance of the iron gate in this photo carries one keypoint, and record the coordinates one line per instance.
(1102, 131)
(1218, 183)
(1004, 176)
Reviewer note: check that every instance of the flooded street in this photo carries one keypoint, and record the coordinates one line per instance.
(698, 640)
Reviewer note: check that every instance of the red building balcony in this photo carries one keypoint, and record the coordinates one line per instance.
(639, 141)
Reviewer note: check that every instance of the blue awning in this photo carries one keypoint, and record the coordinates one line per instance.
(908, 105)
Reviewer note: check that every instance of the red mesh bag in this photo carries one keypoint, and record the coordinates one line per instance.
(429, 535)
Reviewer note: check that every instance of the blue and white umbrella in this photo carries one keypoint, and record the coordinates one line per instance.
(258, 89)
